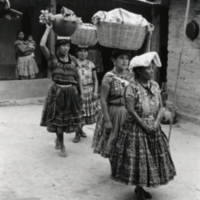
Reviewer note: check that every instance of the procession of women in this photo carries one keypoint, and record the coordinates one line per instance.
(126, 108)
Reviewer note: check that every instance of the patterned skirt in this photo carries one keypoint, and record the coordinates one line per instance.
(142, 159)
(104, 143)
(91, 106)
(62, 110)
(27, 67)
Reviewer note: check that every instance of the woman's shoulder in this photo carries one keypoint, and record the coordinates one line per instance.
(109, 74)
(17, 42)
(154, 84)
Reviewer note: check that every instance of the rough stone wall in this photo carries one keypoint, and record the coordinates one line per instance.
(188, 92)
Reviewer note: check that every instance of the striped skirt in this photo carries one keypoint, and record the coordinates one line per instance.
(27, 67)
(142, 159)
(104, 143)
(91, 106)
(62, 110)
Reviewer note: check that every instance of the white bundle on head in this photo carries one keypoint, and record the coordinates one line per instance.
(145, 60)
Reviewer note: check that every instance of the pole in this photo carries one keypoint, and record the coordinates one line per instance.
(179, 67)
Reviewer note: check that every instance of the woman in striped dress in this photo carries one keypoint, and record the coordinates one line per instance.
(91, 105)
(62, 110)
(142, 155)
(112, 99)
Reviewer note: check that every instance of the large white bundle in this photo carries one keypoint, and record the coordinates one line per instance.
(121, 16)
(121, 29)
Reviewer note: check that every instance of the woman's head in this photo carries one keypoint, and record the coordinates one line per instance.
(20, 35)
(63, 45)
(143, 65)
(82, 52)
(145, 73)
(121, 58)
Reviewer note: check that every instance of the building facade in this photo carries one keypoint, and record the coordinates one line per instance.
(188, 91)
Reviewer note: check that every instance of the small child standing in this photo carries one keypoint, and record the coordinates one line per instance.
(31, 43)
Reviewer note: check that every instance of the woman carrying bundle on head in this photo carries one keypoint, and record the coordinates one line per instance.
(91, 105)
(142, 157)
(112, 99)
(113, 112)
(63, 108)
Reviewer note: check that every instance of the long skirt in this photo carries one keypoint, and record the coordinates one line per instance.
(140, 158)
(27, 67)
(104, 143)
(62, 110)
(91, 106)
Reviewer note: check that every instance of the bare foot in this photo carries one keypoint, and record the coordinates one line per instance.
(63, 152)
(83, 134)
(57, 145)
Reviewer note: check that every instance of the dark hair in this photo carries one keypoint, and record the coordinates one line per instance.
(61, 42)
(80, 48)
(118, 52)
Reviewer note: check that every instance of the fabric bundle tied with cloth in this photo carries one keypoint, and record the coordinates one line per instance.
(121, 29)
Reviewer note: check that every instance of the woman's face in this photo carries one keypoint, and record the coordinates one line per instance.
(147, 72)
(82, 54)
(21, 36)
(64, 49)
(121, 62)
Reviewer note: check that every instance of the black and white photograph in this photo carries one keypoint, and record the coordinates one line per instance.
(99, 99)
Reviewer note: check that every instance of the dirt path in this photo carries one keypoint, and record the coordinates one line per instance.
(30, 168)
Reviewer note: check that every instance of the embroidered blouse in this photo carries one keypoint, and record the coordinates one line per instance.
(64, 73)
(117, 85)
(87, 67)
(146, 99)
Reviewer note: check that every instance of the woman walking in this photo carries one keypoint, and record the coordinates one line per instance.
(62, 111)
(90, 104)
(113, 108)
(142, 157)
(26, 66)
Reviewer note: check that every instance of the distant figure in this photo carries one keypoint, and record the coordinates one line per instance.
(31, 43)
(26, 66)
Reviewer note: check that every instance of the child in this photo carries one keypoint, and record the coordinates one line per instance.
(31, 43)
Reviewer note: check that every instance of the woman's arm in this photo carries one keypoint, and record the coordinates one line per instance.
(130, 102)
(23, 48)
(43, 41)
(160, 112)
(95, 81)
(79, 81)
(148, 42)
(105, 89)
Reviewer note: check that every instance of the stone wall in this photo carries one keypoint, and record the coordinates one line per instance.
(188, 93)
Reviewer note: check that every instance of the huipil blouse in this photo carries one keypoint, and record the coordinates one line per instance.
(64, 73)
(87, 67)
(117, 85)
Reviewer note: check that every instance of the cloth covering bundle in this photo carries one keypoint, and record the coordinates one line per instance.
(122, 16)
(121, 29)
(145, 60)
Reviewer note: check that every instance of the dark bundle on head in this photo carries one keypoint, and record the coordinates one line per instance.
(118, 52)
(80, 48)
(61, 42)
